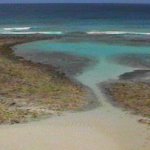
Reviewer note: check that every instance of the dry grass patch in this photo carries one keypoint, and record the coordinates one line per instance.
(28, 91)
(133, 95)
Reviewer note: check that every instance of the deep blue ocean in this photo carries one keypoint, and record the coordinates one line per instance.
(64, 18)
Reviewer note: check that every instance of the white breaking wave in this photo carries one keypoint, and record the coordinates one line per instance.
(117, 33)
(17, 29)
(24, 30)
(40, 32)
(53, 32)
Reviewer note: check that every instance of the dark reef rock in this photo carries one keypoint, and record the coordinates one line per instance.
(136, 75)
(133, 60)
(67, 63)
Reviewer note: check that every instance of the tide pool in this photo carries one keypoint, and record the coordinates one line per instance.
(103, 70)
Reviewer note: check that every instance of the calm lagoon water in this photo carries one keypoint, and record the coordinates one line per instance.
(103, 70)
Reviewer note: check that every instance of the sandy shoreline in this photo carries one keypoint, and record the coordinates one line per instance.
(57, 133)
(105, 127)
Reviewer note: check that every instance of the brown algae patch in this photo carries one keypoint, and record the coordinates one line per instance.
(131, 95)
(29, 90)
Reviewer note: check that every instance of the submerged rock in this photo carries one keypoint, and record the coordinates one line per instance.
(133, 60)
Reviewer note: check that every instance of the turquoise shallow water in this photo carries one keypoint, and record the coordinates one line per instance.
(103, 70)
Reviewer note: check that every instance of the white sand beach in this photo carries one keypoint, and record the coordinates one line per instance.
(106, 128)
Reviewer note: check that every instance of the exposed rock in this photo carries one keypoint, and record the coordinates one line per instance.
(144, 121)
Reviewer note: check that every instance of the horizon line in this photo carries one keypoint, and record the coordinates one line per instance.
(75, 3)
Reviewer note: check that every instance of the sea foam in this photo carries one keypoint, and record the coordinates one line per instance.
(32, 32)
(17, 29)
(117, 33)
